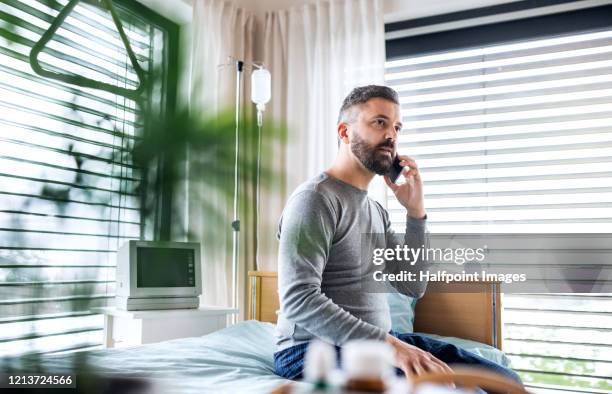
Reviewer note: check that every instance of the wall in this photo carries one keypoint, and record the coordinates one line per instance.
(178, 11)
(394, 9)
(397, 10)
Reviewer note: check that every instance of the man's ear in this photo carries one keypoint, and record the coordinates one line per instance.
(343, 132)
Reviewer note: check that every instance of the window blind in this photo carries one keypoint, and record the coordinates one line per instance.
(516, 137)
(65, 197)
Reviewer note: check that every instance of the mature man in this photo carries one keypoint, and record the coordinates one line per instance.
(320, 233)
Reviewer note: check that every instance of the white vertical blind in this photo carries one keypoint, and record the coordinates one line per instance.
(517, 138)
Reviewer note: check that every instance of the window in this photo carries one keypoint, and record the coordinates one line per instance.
(511, 124)
(66, 196)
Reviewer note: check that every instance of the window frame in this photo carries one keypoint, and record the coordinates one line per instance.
(162, 220)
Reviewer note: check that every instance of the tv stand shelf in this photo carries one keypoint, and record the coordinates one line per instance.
(129, 328)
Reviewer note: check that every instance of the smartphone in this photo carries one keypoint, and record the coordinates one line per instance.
(396, 170)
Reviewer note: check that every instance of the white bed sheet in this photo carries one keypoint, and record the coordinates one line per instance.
(238, 359)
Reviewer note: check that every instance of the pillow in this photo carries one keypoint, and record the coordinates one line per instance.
(402, 320)
(402, 312)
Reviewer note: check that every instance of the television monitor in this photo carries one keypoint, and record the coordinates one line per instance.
(158, 275)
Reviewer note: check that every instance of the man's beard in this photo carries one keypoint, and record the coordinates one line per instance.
(370, 156)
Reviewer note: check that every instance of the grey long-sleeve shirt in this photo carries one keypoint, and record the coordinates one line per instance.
(320, 273)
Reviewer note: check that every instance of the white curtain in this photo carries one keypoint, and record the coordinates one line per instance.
(316, 53)
(220, 29)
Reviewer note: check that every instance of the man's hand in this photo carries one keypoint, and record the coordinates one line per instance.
(410, 193)
(414, 361)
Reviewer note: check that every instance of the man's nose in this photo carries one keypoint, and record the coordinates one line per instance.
(391, 134)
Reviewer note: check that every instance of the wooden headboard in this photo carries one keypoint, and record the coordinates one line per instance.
(473, 312)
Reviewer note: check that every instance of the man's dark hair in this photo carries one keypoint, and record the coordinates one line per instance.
(362, 94)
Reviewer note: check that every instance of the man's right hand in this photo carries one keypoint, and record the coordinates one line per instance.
(414, 361)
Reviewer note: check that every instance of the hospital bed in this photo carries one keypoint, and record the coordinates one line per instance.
(239, 359)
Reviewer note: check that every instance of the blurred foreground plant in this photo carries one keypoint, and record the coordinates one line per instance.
(188, 148)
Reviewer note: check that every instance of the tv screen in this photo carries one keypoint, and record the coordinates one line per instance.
(165, 267)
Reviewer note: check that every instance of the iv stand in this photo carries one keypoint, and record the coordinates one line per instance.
(239, 64)
(236, 221)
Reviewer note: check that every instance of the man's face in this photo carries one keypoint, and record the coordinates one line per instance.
(373, 134)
